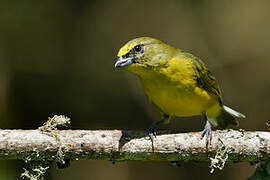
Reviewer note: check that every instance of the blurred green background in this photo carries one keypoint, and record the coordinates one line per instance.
(57, 57)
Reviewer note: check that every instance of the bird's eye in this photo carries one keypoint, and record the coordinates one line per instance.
(138, 48)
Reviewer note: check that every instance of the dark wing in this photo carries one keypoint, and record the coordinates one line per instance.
(204, 77)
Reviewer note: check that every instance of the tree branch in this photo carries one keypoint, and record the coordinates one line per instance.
(116, 145)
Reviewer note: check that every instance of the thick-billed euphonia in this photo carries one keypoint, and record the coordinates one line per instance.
(177, 82)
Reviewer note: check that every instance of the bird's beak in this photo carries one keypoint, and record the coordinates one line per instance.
(122, 62)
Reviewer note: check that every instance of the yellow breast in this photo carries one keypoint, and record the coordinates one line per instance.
(174, 90)
(175, 101)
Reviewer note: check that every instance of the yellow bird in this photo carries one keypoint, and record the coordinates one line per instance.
(177, 82)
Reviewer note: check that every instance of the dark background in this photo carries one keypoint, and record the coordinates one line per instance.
(57, 57)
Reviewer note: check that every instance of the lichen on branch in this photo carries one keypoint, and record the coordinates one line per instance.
(117, 145)
(38, 168)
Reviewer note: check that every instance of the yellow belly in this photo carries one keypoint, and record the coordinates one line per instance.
(178, 100)
(174, 89)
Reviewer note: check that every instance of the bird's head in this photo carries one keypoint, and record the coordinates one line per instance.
(144, 52)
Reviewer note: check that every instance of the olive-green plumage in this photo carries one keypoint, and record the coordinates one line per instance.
(176, 81)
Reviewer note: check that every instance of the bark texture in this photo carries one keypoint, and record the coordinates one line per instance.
(117, 145)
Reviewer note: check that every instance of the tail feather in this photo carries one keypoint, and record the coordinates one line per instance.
(228, 117)
(233, 112)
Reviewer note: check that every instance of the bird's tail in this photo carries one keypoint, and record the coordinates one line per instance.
(228, 117)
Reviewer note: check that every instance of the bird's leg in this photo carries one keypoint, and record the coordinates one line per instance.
(165, 118)
(207, 131)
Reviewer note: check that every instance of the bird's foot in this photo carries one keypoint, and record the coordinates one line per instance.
(207, 132)
(152, 132)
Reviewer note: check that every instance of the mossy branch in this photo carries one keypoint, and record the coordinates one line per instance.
(117, 145)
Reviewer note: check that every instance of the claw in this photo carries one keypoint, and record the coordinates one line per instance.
(152, 132)
(207, 132)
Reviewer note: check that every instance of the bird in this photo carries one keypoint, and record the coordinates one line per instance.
(178, 83)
